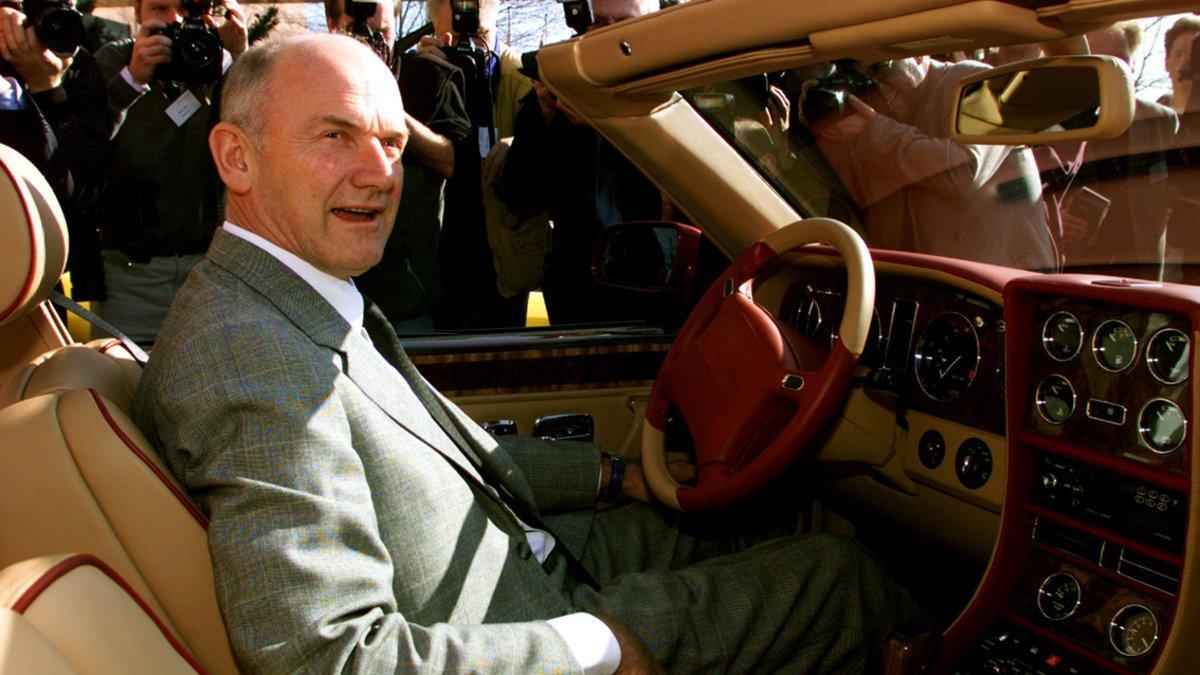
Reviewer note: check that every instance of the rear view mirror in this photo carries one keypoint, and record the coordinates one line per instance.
(651, 256)
(1041, 101)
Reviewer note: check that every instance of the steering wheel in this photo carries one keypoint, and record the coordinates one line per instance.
(754, 393)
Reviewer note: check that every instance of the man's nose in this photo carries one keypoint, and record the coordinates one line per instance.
(375, 167)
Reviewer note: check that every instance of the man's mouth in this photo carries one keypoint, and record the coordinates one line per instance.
(357, 214)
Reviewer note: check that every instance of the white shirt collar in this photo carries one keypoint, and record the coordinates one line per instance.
(342, 294)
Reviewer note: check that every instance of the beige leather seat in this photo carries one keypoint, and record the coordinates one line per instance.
(76, 476)
(74, 614)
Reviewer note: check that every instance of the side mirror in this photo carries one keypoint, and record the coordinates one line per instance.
(1042, 101)
(649, 256)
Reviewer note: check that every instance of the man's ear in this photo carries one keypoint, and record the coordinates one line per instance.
(235, 157)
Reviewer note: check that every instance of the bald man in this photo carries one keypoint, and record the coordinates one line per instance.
(358, 521)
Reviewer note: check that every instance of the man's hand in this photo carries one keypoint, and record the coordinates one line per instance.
(635, 658)
(234, 35)
(149, 50)
(433, 44)
(849, 126)
(39, 68)
(493, 164)
(633, 483)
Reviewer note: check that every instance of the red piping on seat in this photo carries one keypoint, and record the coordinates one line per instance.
(34, 253)
(109, 345)
(162, 477)
(79, 560)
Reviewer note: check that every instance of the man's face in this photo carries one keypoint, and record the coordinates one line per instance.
(330, 176)
(166, 11)
(896, 87)
(1179, 58)
(1110, 42)
(608, 12)
(382, 22)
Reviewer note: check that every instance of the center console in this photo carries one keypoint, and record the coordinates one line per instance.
(1087, 574)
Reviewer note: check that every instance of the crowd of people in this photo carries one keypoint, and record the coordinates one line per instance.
(506, 188)
(123, 136)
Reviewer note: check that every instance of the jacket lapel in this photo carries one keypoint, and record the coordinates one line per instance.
(310, 313)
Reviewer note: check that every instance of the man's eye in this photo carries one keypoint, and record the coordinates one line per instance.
(335, 135)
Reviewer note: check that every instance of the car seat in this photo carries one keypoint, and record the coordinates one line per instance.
(76, 476)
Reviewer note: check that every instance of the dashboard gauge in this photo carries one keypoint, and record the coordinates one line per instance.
(947, 357)
(1062, 336)
(1114, 345)
(1133, 630)
(1167, 355)
(1055, 399)
(973, 463)
(1162, 426)
(1059, 596)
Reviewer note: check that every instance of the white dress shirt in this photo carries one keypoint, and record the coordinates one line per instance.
(590, 641)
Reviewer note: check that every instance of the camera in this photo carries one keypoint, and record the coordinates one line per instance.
(360, 13)
(58, 25)
(829, 96)
(464, 20)
(578, 14)
(196, 53)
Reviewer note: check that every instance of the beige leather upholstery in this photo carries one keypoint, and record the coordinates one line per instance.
(75, 475)
(73, 613)
(33, 237)
(78, 476)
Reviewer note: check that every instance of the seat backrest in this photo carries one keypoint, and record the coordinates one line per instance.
(76, 476)
(73, 613)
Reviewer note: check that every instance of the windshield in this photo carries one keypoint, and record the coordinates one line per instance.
(868, 144)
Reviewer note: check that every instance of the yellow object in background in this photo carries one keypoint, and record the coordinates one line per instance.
(536, 314)
(77, 327)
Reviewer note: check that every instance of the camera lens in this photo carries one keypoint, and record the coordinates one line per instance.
(195, 52)
(60, 30)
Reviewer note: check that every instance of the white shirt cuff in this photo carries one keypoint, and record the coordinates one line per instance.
(590, 641)
(128, 77)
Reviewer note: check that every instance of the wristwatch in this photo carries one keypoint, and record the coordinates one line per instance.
(612, 491)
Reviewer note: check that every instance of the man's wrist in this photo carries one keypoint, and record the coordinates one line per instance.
(590, 641)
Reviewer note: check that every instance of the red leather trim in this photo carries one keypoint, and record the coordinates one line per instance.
(988, 276)
(1112, 576)
(1127, 467)
(35, 256)
(1101, 533)
(79, 560)
(162, 477)
(111, 344)
(1068, 645)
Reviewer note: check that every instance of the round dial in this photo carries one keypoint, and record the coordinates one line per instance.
(1114, 345)
(947, 357)
(1055, 399)
(931, 449)
(1059, 596)
(973, 463)
(1133, 630)
(1062, 336)
(1167, 355)
(1162, 426)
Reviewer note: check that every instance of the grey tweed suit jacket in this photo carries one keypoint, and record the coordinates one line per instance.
(346, 531)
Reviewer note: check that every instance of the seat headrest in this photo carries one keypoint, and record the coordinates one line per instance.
(33, 236)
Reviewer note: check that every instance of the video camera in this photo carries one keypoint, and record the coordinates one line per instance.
(58, 25)
(196, 52)
(360, 13)
(829, 96)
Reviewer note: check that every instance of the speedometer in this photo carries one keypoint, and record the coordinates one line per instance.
(947, 357)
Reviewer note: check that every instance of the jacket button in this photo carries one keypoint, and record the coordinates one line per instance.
(524, 550)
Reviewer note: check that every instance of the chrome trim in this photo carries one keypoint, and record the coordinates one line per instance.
(1113, 624)
(1096, 350)
(1038, 398)
(792, 383)
(1078, 598)
(921, 340)
(1045, 340)
(1124, 412)
(1140, 429)
(1150, 362)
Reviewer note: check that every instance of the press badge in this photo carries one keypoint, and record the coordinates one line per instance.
(183, 108)
(485, 141)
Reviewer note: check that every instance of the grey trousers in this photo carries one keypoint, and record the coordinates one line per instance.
(139, 294)
(710, 604)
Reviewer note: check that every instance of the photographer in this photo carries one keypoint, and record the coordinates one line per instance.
(162, 203)
(52, 111)
(887, 143)
(558, 162)
(404, 282)
(490, 258)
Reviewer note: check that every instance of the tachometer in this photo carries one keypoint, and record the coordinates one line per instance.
(947, 357)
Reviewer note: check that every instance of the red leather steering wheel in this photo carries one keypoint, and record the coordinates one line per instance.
(754, 393)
